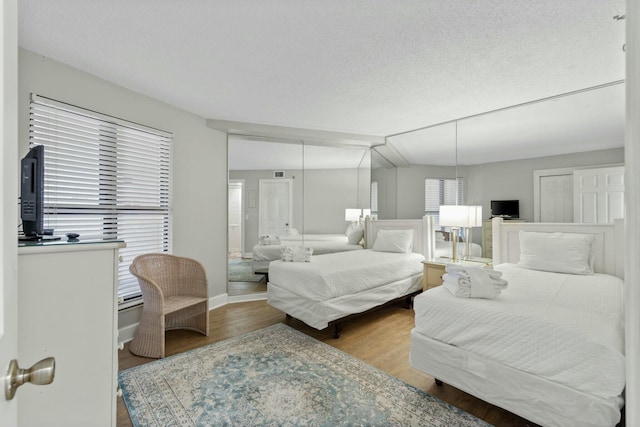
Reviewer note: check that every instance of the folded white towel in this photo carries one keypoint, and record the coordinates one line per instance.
(458, 290)
(473, 282)
(461, 279)
(269, 239)
(481, 283)
(296, 254)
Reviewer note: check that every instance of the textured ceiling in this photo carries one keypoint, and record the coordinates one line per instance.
(375, 67)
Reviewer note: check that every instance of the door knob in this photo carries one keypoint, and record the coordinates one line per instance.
(41, 373)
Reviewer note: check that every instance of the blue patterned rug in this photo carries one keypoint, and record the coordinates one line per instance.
(277, 376)
(240, 271)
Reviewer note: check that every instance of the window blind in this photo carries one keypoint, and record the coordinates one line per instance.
(440, 191)
(105, 178)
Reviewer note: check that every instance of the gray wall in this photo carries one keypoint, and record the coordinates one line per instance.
(514, 179)
(401, 190)
(320, 197)
(199, 176)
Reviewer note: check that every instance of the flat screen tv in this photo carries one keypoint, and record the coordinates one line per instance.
(507, 209)
(32, 192)
(32, 196)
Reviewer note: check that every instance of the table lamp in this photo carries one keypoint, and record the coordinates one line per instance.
(454, 216)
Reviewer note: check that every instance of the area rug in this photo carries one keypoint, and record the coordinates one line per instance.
(240, 271)
(277, 376)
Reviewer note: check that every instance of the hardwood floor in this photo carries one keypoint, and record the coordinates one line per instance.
(379, 338)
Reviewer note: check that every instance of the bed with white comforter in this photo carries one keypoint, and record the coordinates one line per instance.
(549, 348)
(333, 286)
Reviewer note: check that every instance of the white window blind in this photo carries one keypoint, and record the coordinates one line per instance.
(374, 198)
(105, 178)
(440, 191)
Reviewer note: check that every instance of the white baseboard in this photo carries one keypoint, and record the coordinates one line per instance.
(249, 297)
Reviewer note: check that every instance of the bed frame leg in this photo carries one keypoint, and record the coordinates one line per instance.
(438, 382)
(408, 302)
(337, 329)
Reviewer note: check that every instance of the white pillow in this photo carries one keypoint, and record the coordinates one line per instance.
(355, 236)
(557, 252)
(394, 241)
(350, 228)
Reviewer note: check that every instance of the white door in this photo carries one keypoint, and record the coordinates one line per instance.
(236, 216)
(556, 198)
(276, 206)
(598, 195)
(8, 197)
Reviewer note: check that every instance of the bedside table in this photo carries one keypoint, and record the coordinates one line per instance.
(434, 269)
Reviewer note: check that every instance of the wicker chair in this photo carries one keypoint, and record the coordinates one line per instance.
(175, 296)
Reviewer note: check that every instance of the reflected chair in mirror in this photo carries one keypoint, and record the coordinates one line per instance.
(175, 296)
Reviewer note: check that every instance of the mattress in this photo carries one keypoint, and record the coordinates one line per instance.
(565, 328)
(272, 252)
(333, 275)
(288, 239)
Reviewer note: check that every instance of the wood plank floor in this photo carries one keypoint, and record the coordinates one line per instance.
(379, 338)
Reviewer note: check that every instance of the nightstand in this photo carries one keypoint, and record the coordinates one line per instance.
(434, 269)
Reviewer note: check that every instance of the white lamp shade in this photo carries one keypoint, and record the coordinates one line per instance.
(454, 216)
(351, 214)
(460, 216)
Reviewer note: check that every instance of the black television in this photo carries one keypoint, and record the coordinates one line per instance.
(508, 209)
(32, 196)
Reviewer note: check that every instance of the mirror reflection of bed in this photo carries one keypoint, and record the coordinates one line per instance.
(324, 179)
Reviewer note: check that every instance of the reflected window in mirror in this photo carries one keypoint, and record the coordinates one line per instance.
(374, 199)
(441, 191)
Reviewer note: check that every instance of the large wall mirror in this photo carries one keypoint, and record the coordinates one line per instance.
(286, 190)
(528, 153)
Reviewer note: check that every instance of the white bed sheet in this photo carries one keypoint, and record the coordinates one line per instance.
(565, 328)
(333, 275)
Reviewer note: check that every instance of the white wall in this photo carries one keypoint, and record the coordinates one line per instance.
(199, 175)
(632, 215)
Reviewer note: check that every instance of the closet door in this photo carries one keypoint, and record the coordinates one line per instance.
(598, 195)
(556, 198)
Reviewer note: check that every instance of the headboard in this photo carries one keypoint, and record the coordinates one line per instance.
(418, 226)
(607, 246)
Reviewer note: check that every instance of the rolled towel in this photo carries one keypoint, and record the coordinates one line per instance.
(457, 290)
(461, 280)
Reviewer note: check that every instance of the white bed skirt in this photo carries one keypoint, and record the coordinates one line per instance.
(512, 389)
(318, 314)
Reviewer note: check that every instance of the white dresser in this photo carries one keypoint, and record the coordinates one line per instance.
(67, 294)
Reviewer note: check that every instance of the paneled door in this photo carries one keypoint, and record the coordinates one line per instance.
(556, 198)
(598, 194)
(276, 206)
